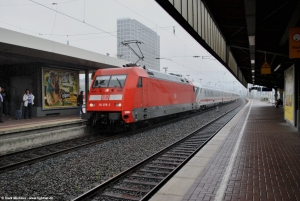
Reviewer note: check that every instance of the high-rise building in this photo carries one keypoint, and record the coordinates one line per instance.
(130, 29)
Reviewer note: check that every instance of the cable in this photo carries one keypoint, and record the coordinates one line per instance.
(54, 21)
(75, 19)
(31, 4)
(135, 12)
(90, 38)
(167, 27)
(21, 28)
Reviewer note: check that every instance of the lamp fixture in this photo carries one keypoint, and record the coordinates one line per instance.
(253, 71)
(252, 40)
(277, 67)
(252, 61)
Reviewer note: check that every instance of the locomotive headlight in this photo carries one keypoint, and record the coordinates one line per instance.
(118, 104)
(92, 104)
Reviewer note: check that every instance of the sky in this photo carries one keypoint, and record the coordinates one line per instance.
(92, 25)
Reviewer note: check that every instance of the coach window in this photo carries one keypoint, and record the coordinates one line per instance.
(140, 83)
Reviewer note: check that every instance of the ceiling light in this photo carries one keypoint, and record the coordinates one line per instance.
(277, 67)
(252, 40)
(252, 75)
(252, 61)
(253, 71)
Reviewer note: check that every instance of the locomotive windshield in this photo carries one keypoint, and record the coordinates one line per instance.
(117, 81)
(109, 81)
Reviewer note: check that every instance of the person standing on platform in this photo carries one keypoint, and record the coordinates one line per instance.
(28, 102)
(1, 106)
(80, 103)
(5, 102)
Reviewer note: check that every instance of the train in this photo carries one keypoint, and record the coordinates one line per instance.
(131, 96)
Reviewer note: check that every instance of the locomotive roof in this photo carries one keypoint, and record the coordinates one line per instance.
(165, 76)
(144, 72)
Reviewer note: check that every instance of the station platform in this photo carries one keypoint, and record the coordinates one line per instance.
(254, 157)
(18, 135)
(11, 125)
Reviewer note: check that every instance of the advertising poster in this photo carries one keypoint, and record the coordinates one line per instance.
(289, 109)
(60, 88)
(294, 42)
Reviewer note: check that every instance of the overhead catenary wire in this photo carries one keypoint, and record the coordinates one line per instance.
(33, 4)
(54, 21)
(75, 19)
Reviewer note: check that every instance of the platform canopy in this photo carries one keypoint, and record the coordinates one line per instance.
(19, 49)
(242, 34)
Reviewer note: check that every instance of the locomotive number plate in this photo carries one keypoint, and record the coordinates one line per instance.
(104, 104)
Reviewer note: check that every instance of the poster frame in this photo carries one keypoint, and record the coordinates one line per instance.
(291, 68)
(43, 88)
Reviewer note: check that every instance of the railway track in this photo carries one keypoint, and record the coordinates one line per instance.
(26, 157)
(141, 181)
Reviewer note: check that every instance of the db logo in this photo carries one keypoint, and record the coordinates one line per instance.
(105, 97)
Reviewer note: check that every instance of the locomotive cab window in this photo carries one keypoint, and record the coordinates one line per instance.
(117, 81)
(109, 81)
(101, 81)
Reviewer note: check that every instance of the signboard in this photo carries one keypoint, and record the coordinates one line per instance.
(265, 68)
(60, 88)
(289, 99)
(294, 39)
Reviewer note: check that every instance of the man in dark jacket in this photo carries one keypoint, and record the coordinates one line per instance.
(5, 101)
(80, 103)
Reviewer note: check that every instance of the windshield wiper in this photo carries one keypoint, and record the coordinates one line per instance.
(119, 82)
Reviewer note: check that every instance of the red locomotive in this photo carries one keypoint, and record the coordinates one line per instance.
(133, 95)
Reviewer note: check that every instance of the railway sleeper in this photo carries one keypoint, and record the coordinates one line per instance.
(131, 189)
(195, 140)
(133, 181)
(164, 162)
(154, 171)
(120, 196)
(180, 154)
(191, 146)
(160, 167)
(173, 156)
(185, 148)
(146, 176)
(170, 159)
(200, 135)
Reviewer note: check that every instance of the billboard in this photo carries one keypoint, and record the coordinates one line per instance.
(294, 42)
(289, 99)
(60, 88)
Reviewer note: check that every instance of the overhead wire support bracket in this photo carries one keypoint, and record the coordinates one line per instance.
(128, 42)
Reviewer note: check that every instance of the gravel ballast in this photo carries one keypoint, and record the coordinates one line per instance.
(78, 171)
